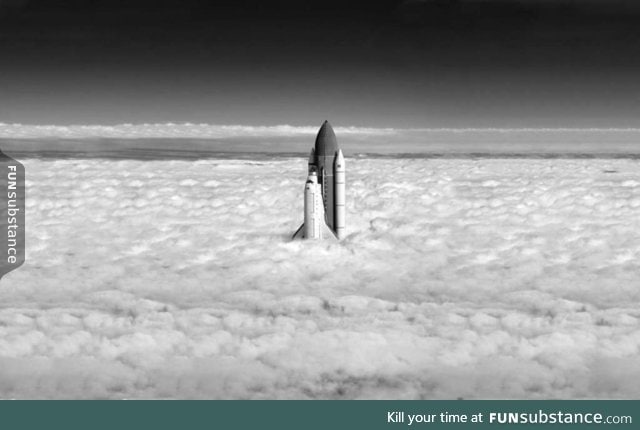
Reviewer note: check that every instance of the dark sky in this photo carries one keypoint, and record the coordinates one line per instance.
(414, 63)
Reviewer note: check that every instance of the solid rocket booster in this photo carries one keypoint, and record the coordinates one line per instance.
(313, 210)
(324, 194)
(339, 195)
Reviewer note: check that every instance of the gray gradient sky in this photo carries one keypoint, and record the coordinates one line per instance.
(389, 64)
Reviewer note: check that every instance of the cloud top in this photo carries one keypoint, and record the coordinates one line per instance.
(457, 278)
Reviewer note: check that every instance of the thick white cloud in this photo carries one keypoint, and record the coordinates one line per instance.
(458, 278)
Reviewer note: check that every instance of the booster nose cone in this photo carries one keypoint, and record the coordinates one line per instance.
(326, 142)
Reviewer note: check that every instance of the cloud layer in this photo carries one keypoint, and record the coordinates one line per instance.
(30, 140)
(458, 279)
(183, 130)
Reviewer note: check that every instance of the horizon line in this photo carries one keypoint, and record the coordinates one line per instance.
(205, 130)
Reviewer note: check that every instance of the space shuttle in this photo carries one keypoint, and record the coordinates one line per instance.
(324, 190)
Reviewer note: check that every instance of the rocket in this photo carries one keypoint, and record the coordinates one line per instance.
(324, 191)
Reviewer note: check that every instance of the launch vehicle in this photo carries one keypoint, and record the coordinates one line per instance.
(324, 191)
